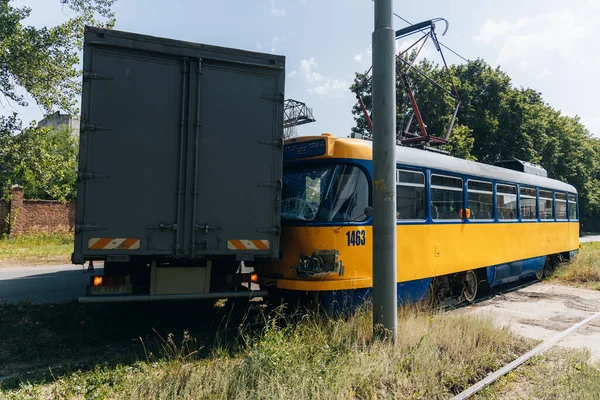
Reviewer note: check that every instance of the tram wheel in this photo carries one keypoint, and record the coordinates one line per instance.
(432, 299)
(471, 284)
(539, 274)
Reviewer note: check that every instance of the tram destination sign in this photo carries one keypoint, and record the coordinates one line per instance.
(311, 148)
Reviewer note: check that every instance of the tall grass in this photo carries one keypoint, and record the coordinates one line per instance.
(37, 248)
(558, 374)
(435, 356)
(585, 270)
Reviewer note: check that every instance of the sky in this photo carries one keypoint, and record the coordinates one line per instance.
(547, 45)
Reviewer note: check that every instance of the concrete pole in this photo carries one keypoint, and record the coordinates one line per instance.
(385, 302)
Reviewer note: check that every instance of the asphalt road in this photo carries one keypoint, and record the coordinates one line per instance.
(43, 284)
(588, 239)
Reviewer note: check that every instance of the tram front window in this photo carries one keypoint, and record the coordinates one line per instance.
(324, 193)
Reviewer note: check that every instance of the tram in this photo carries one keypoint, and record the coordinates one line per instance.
(462, 226)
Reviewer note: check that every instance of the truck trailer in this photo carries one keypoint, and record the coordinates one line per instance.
(180, 168)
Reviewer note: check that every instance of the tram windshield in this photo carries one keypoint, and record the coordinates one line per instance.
(324, 193)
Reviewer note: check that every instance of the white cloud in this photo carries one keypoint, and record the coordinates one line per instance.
(533, 41)
(491, 30)
(274, 42)
(364, 56)
(318, 83)
(543, 74)
(280, 12)
(258, 46)
(293, 74)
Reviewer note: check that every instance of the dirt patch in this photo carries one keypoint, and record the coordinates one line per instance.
(540, 311)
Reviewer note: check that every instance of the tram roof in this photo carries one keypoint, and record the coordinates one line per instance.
(362, 149)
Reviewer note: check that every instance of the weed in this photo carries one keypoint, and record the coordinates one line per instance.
(557, 374)
(584, 271)
(308, 356)
(36, 249)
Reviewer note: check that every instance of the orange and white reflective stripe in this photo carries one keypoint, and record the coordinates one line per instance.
(114, 244)
(243, 244)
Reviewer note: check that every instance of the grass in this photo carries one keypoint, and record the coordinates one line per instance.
(584, 271)
(557, 374)
(436, 355)
(36, 249)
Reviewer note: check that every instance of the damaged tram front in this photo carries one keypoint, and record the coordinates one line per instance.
(325, 217)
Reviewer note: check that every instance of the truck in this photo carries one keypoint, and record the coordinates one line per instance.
(180, 167)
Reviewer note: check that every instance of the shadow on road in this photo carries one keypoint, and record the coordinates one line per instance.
(19, 284)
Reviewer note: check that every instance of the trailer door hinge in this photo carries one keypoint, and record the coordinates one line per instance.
(93, 127)
(206, 227)
(96, 75)
(272, 142)
(273, 231)
(89, 227)
(278, 97)
(273, 185)
(91, 175)
(162, 226)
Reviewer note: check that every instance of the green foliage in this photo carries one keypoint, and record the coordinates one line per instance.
(497, 121)
(41, 160)
(584, 271)
(44, 61)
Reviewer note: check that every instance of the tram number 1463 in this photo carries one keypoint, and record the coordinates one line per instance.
(357, 238)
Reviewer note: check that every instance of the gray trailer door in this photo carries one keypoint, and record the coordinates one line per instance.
(234, 177)
(180, 150)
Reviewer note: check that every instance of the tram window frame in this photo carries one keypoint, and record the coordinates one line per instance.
(480, 191)
(501, 193)
(441, 187)
(405, 184)
(528, 196)
(551, 198)
(570, 204)
(561, 200)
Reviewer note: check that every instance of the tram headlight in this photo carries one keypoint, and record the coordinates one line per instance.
(319, 263)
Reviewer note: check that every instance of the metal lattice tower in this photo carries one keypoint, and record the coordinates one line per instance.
(296, 113)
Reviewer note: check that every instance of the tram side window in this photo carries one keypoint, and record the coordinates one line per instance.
(528, 203)
(560, 200)
(545, 204)
(572, 207)
(480, 197)
(506, 201)
(410, 195)
(446, 197)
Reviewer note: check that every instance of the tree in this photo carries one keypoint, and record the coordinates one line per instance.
(43, 62)
(41, 160)
(290, 132)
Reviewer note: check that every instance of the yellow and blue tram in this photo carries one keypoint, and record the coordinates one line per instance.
(460, 224)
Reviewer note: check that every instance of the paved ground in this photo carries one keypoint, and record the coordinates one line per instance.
(40, 284)
(43, 284)
(587, 239)
(542, 310)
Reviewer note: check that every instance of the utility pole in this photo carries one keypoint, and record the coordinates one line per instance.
(385, 301)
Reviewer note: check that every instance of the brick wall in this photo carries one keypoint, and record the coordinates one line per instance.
(4, 211)
(36, 216)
